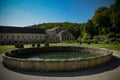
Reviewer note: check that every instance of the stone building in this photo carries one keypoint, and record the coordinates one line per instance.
(58, 35)
(11, 35)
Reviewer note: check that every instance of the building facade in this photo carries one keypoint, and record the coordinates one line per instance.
(11, 35)
(58, 35)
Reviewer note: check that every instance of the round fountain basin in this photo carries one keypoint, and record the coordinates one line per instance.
(56, 58)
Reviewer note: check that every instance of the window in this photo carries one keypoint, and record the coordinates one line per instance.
(7, 37)
(18, 36)
(1, 37)
(13, 37)
(56, 39)
(50, 39)
(40, 36)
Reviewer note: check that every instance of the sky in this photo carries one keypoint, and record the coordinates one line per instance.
(29, 12)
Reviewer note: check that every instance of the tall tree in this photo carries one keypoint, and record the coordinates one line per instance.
(102, 21)
(115, 16)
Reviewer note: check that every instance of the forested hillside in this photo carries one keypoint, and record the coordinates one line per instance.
(103, 27)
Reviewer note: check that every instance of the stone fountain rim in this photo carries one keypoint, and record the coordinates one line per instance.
(58, 60)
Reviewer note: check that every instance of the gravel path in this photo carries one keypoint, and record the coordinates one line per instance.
(110, 71)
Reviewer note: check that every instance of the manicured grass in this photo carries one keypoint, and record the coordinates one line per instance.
(108, 46)
(62, 55)
(4, 48)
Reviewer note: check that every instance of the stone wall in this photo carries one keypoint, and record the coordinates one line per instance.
(10, 59)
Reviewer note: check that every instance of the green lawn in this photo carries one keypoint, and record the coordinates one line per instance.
(108, 46)
(4, 48)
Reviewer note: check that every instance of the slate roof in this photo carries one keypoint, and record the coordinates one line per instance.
(11, 29)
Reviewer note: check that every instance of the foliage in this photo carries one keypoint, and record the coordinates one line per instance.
(80, 42)
(100, 10)
(111, 34)
(90, 28)
(85, 37)
(46, 44)
(38, 45)
(99, 39)
(118, 41)
(33, 45)
(19, 45)
(107, 19)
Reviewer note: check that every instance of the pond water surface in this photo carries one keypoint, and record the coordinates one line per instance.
(61, 55)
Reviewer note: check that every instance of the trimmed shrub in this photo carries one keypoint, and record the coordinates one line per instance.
(80, 42)
(89, 41)
(38, 45)
(46, 44)
(33, 45)
(19, 45)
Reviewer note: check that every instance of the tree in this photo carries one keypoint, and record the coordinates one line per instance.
(100, 10)
(90, 28)
(115, 16)
(85, 37)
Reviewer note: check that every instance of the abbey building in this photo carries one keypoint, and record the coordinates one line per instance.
(11, 35)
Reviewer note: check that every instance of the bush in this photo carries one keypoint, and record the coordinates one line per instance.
(95, 39)
(19, 45)
(33, 45)
(118, 35)
(88, 42)
(106, 41)
(111, 35)
(80, 42)
(77, 41)
(46, 44)
(100, 39)
(112, 40)
(38, 45)
(85, 37)
(118, 40)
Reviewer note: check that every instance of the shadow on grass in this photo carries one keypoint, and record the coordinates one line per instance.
(115, 62)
